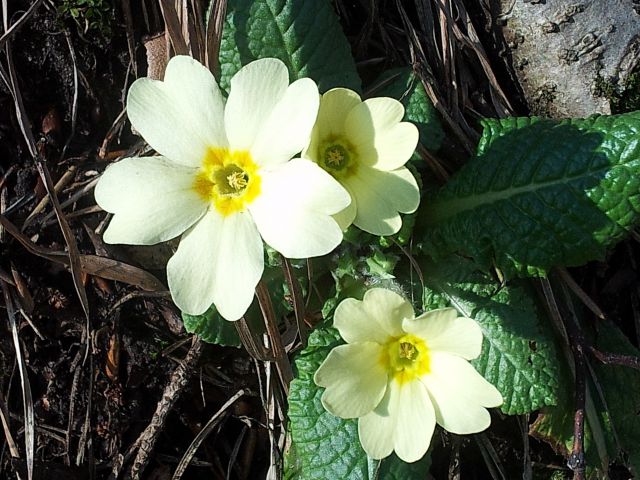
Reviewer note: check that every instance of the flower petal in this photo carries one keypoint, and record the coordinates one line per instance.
(394, 146)
(181, 116)
(255, 91)
(380, 196)
(293, 211)
(354, 378)
(346, 217)
(376, 318)
(404, 421)
(444, 331)
(288, 128)
(368, 118)
(460, 394)
(334, 108)
(220, 261)
(152, 198)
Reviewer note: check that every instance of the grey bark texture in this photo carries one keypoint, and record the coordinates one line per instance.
(563, 50)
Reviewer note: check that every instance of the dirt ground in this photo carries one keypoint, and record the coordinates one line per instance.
(96, 377)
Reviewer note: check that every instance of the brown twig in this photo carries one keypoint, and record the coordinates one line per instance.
(179, 379)
(576, 461)
(616, 358)
(27, 400)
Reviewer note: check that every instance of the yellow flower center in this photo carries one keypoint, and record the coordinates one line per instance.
(406, 358)
(228, 179)
(338, 157)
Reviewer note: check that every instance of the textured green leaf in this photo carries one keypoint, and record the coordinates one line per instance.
(326, 447)
(518, 354)
(540, 193)
(212, 328)
(304, 34)
(406, 87)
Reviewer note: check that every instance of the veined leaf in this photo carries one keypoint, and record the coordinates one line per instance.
(540, 193)
(212, 328)
(304, 34)
(518, 354)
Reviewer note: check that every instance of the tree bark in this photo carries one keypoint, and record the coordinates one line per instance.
(564, 51)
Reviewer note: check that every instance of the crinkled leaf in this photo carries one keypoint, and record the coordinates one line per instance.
(518, 353)
(327, 447)
(404, 85)
(304, 34)
(212, 328)
(540, 193)
(324, 446)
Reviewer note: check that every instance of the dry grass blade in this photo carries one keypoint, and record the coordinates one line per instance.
(283, 365)
(25, 126)
(174, 27)
(18, 23)
(74, 107)
(27, 401)
(64, 180)
(128, 21)
(202, 435)
(471, 40)
(120, 272)
(4, 417)
(581, 294)
(296, 295)
(70, 239)
(215, 22)
(490, 456)
(92, 264)
(251, 342)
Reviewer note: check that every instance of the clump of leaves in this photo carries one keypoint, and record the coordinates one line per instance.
(89, 15)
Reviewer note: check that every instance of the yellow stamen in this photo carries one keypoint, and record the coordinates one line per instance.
(406, 358)
(228, 179)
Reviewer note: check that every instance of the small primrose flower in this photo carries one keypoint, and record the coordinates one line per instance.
(224, 180)
(400, 375)
(365, 145)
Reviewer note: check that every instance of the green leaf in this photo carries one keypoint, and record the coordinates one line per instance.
(392, 468)
(212, 328)
(327, 447)
(304, 34)
(540, 193)
(518, 354)
(405, 86)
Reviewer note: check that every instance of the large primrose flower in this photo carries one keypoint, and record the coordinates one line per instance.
(224, 180)
(365, 145)
(401, 375)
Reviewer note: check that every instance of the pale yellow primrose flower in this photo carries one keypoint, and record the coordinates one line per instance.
(224, 180)
(365, 145)
(401, 375)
